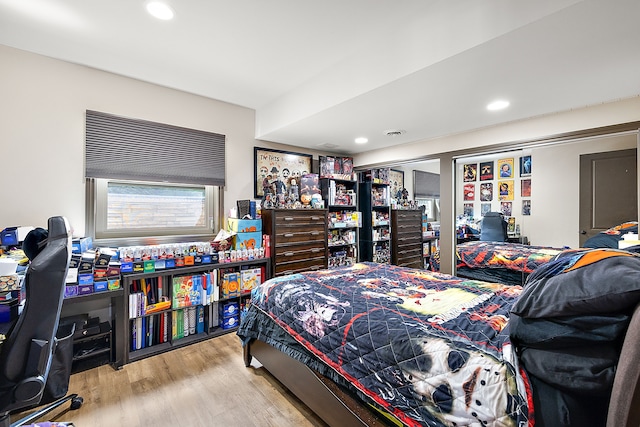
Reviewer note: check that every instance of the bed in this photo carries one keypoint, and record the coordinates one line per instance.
(375, 344)
(502, 262)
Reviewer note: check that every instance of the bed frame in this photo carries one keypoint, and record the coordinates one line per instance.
(338, 408)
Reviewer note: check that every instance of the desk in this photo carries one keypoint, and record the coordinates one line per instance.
(518, 239)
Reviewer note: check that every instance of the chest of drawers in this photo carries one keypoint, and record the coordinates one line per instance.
(406, 238)
(298, 239)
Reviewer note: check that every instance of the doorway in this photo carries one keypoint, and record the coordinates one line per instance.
(608, 191)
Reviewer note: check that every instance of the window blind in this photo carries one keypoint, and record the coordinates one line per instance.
(426, 184)
(139, 150)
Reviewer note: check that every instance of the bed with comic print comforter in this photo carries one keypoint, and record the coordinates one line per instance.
(502, 262)
(428, 348)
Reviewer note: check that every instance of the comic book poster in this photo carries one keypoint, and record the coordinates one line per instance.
(484, 208)
(486, 192)
(525, 188)
(470, 172)
(505, 208)
(526, 207)
(505, 168)
(468, 209)
(506, 190)
(525, 165)
(469, 192)
(486, 171)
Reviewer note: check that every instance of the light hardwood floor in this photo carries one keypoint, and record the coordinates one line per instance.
(203, 384)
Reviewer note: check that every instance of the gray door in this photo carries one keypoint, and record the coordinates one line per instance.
(608, 191)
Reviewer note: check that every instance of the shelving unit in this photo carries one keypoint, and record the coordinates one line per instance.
(164, 329)
(344, 220)
(111, 341)
(375, 234)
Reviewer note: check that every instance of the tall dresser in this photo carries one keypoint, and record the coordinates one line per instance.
(298, 239)
(406, 238)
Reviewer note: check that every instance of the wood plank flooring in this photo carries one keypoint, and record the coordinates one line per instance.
(203, 384)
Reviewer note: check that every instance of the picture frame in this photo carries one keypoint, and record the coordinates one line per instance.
(486, 171)
(525, 166)
(505, 168)
(396, 183)
(268, 162)
(470, 172)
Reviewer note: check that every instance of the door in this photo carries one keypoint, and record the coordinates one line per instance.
(608, 191)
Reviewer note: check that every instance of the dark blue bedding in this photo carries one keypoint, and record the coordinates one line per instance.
(427, 348)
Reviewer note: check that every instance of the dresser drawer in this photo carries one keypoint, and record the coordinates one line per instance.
(283, 219)
(295, 252)
(299, 233)
(308, 264)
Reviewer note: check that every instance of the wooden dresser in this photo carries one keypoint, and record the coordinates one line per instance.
(298, 239)
(406, 238)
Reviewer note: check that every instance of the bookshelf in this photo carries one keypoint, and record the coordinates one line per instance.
(375, 234)
(171, 308)
(344, 220)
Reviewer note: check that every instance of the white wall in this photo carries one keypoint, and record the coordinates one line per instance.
(42, 116)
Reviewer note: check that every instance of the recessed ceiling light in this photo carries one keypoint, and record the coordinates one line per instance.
(361, 140)
(160, 10)
(498, 105)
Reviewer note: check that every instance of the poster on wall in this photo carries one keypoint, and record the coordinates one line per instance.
(526, 207)
(484, 208)
(506, 190)
(469, 192)
(525, 165)
(486, 192)
(396, 182)
(275, 170)
(468, 209)
(470, 172)
(525, 188)
(486, 171)
(505, 168)
(505, 208)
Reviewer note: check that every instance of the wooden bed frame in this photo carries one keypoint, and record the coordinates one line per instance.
(337, 408)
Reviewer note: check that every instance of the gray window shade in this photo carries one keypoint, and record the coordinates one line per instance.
(139, 150)
(426, 184)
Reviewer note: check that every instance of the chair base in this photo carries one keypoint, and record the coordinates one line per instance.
(76, 402)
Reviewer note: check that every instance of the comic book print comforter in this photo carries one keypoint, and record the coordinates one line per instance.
(510, 256)
(429, 348)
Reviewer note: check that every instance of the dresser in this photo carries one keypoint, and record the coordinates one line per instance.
(298, 239)
(406, 238)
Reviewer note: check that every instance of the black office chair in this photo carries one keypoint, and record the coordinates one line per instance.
(27, 352)
(494, 228)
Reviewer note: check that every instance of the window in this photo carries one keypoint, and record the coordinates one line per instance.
(129, 209)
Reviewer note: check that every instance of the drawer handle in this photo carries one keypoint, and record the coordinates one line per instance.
(288, 254)
(315, 233)
(314, 250)
(288, 235)
(288, 218)
(315, 218)
(316, 267)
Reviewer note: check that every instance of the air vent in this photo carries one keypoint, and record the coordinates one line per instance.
(328, 145)
(394, 132)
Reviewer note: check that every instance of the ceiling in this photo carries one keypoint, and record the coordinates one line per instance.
(321, 73)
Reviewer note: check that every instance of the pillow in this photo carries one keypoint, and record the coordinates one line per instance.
(610, 238)
(582, 281)
(567, 331)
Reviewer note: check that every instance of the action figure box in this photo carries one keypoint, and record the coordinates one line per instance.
(250, 278)
(251, 240)
(244, 225)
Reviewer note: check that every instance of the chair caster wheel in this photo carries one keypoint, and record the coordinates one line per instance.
(76, 402)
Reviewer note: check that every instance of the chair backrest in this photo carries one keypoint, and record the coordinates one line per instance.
(624, 405)
(493, 228)
(44, 286)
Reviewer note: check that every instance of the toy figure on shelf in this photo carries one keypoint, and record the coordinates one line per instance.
(294, 190)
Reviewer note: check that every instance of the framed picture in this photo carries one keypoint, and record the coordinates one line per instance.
(505, 168)
(486, 171)
(505, 208)
(526, 207)
(525, 165)
(469, 192)
(276, 170)
(525, 188)
(505, 190)
(486, 192)
(470, 172)
(396, 183)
